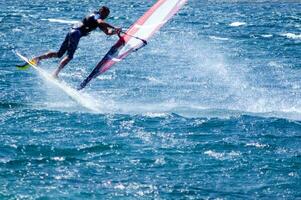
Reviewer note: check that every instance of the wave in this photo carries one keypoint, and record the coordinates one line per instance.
(107, 106)
(218, 38)
(222, 156)
(62, 21)
(236, 24)
(193, 111)
(292, 36)
(266, 35)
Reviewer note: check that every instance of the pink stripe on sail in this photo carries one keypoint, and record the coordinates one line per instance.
(133, 29)
(169, 15)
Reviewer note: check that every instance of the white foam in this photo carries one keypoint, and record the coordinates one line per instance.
(153, 115)
(160, 161)
(222, 156)
(81, 98)
(62, 21)
(218, 38)
(154, 80)
(120, 186)
(214, 154)
(256, 144)
(275, 64)
(292, 36)
(58, 158)
(4, 160)
(236, 24)
(106, 77)
(17, 30)
(267, 35)
(293, 174)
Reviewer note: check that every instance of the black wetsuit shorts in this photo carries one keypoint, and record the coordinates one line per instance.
(70, 43)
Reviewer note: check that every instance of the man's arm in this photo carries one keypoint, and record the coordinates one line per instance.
(107, 28)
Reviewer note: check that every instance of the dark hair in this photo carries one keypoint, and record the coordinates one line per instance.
(104, 12)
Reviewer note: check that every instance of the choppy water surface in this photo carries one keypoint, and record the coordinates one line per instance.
(209, 109)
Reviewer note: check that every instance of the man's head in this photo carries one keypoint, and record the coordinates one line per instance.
(104, 12)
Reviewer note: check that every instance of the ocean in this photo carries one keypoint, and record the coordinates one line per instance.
(209, 109)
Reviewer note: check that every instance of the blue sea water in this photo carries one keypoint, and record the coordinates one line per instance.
(209, 109)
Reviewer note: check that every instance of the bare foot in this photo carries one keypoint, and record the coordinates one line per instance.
(34, 61)
(55, 76)
(37, 61)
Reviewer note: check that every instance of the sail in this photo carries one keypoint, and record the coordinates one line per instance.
(137, 35)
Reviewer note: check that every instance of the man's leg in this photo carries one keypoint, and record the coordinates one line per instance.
(37, 59)
(53, 54)
(74, 37)
(63, 63)
(48, 55)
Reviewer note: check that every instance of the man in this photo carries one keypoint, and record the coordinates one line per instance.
(89, 23)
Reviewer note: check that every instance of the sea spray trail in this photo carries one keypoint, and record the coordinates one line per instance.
(83, 99)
